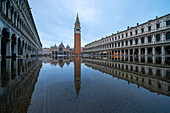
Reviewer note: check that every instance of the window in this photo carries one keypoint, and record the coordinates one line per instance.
(122, 44)
(118, 37)
(119, 44)
(168, 36)
(130, 33)
(158, 26)
(142, 30)
(136, 32)
(131, 42)
(168, 22)
(136, 41)
(158, 37)
(126, 43)
(149, 39)
(122, 36)
(149, 28)
(115, 45)
(126, 34)
(142, 40)
(115, 38)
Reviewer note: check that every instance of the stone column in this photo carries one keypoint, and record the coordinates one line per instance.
(146, 51)
(8, 48)
(163, 60)
(153, 59)
(153, 39)
(139, 41)
(120, 52)
(0, 72)
(23, 50)
(139, 51)
(146, 40)
(16, 49)
(124, 52)
(163, 37)
(163, 50)
(146, 59)
(124, 43)
(16, 66)
(133, 42)
(8, 68)
(139, 59)
(128, 52)
(0, 45)
(128, 42)
(133, 51)
(153, 50)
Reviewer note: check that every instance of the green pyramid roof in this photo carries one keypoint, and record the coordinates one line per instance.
(77, 20)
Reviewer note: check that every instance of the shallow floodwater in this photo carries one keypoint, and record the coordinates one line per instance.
(85, 85)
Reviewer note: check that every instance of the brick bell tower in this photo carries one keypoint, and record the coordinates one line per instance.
(77, 37)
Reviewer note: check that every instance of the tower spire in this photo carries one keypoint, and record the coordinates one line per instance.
(77, 20)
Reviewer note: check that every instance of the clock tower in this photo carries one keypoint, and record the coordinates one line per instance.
(77, 37)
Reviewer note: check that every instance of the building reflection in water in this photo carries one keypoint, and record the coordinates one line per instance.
(155, 78)
(77, 73)
(18, 78)
(61, 61)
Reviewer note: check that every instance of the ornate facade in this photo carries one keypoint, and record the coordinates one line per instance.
(18, 33)
(150, 38)
(61, 50)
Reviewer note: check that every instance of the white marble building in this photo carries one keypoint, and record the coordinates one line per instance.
(150, 38)
(18, 33)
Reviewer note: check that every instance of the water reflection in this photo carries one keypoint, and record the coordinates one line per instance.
(18, 78)
(76, 84)
(77, 74)
(155, 78)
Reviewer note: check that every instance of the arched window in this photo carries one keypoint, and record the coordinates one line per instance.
(149, 39)
(136, 41)
(158, 37)
(131, 42)
(168, 36)
(126, 43)
(142, 40)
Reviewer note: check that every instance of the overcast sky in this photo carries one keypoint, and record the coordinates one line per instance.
(99, 18)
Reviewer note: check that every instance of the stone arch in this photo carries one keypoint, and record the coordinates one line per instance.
(167, 50)
(13, 44)
(158, 37)
(4, 40)
(12, 13)
(149, 51)
(142, 40)
(168, 36)
(7, 8)
(142, 51)
(158, 50)
(149, 39)
(19, 46)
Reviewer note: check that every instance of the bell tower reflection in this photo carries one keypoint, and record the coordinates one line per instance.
(77, 73)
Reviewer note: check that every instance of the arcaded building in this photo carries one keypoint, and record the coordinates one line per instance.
(18, 33)
(61, 50)
(149, 38)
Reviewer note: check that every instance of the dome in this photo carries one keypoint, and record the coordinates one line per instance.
(55, 46)
(68, 47)
(62, 45)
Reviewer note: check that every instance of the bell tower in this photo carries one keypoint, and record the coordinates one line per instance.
(77, 37)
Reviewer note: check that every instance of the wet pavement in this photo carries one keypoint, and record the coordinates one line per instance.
(96, 84)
